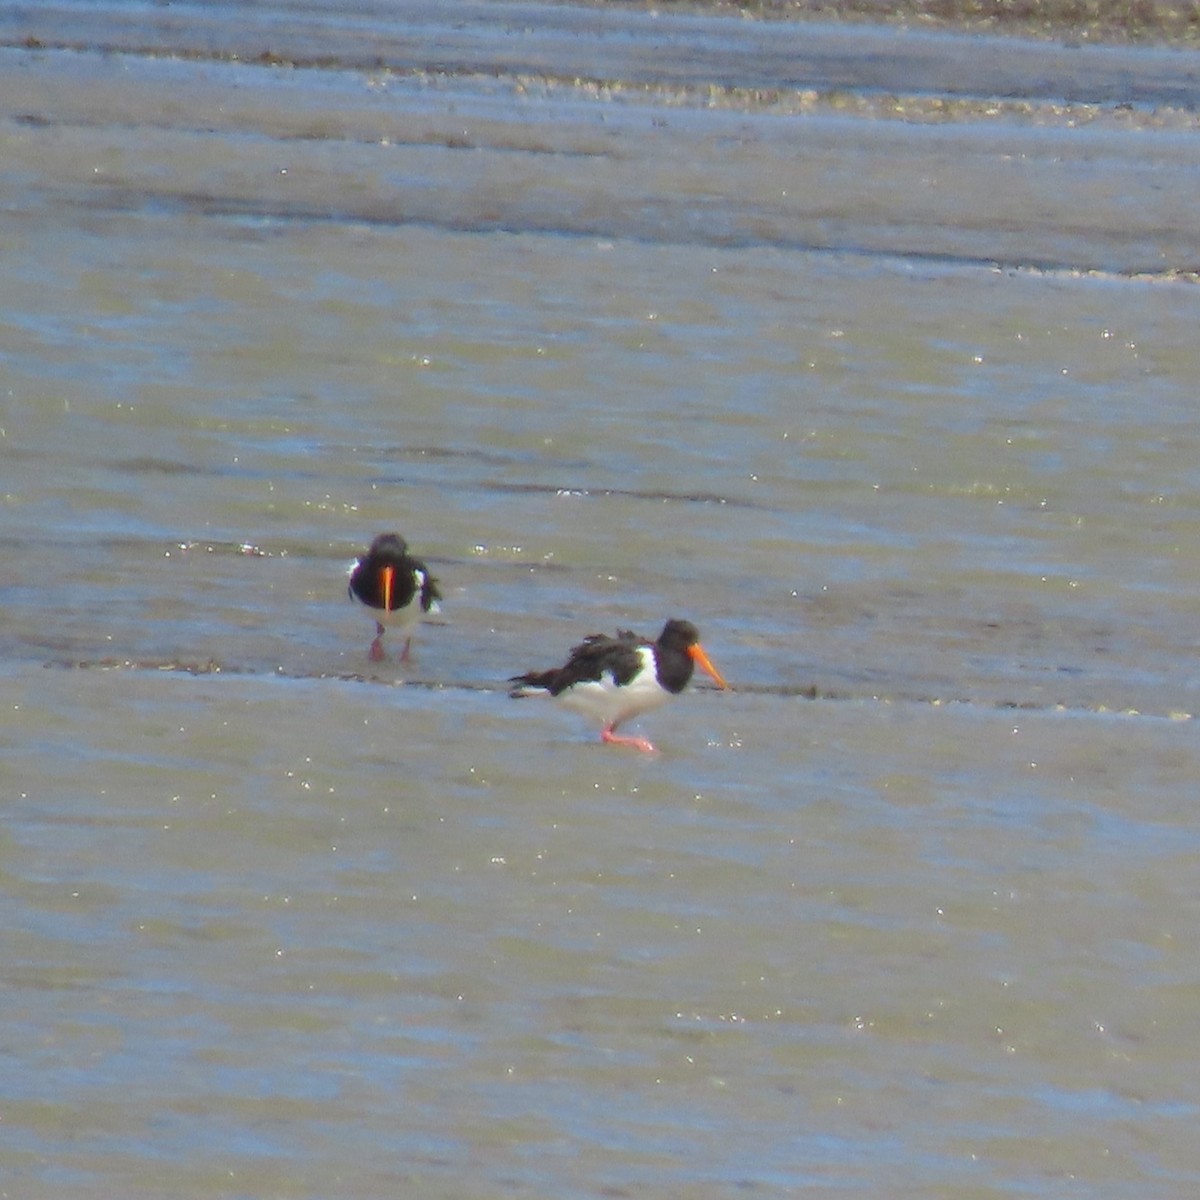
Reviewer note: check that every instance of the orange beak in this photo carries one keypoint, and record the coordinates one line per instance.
(387, 574)
(701, 660)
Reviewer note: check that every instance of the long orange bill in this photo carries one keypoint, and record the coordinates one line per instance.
(387, 574)
(701, 660)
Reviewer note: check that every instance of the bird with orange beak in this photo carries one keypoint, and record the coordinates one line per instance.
(615, 678)
(396, 587)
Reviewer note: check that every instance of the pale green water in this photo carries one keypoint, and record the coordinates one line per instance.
(895, 401)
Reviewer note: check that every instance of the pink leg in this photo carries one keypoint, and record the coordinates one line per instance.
(376, 654)
(407, 648)
(608, 736)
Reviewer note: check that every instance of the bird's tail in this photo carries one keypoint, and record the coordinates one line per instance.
(534, 683)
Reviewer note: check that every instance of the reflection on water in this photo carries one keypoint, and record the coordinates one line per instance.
(803, 333)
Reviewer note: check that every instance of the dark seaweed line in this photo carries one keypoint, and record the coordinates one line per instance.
(547, 489)
(785, 96)
(228, 208)
(809, 692)
(433, 141)
(172, 467)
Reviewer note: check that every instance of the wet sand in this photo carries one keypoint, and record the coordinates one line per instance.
(1082, 20)
(871, 350)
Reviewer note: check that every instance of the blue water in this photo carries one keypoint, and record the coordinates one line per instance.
(869, 350)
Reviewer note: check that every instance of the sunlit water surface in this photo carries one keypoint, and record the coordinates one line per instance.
(871, 352)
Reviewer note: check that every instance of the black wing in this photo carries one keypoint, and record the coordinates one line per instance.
(429, 589)
(588, 662)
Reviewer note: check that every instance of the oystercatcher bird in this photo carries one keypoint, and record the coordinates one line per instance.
(615, 678)
(396, 587)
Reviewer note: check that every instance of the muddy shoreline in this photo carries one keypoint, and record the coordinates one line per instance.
(1140, 21)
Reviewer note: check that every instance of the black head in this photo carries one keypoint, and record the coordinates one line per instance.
(678, 650)
(388, 545)
(678, 635)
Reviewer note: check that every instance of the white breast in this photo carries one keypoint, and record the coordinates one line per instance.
(605, 701)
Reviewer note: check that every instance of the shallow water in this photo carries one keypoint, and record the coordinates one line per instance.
(872, 355)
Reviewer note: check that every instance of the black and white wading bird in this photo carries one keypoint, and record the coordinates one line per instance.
(612, 679)
(396, 587)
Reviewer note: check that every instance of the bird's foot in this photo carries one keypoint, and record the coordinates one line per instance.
(376, 653)
(612, 739)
